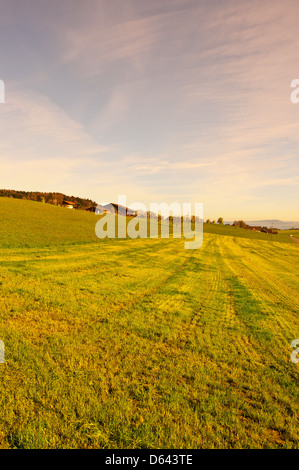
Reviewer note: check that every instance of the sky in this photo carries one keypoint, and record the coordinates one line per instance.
(167, 101)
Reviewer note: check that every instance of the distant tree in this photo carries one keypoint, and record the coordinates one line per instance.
(208, 221)
(239, 223)
(220, 220)
(195, 219)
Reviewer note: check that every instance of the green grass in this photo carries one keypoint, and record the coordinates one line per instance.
(228, 230)
(140, 343)
(29, 224)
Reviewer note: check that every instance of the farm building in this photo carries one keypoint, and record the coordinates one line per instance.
(254, 228)
(91, 209)
(116, 209)
(68, 204)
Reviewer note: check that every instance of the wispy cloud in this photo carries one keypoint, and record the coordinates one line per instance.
(157, 99)
(42, 145)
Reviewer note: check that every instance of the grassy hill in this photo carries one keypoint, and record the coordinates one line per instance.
(228, 230)
(141, 343)
(35, 224)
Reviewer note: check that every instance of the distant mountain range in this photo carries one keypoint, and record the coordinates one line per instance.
(281, 224)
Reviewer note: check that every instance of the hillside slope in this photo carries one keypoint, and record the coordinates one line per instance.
(35, 224)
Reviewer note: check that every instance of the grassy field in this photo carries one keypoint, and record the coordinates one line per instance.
(140, 343)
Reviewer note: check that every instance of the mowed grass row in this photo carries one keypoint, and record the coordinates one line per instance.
(142, 344)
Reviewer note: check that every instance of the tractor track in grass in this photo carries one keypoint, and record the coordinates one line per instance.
(269, 293)
(143, 344)
(164, 329)
(157, 297)
(268, 285)
(263, 354)
(229, 320)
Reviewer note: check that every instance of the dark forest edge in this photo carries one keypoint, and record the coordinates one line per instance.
(56, 199)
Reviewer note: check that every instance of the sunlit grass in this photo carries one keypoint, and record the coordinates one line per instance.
(141, 343)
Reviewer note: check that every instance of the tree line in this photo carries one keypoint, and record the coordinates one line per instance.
(56, 199)
(219, 221)
(236, 223)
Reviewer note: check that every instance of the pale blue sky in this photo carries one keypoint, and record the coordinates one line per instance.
(163, 101)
